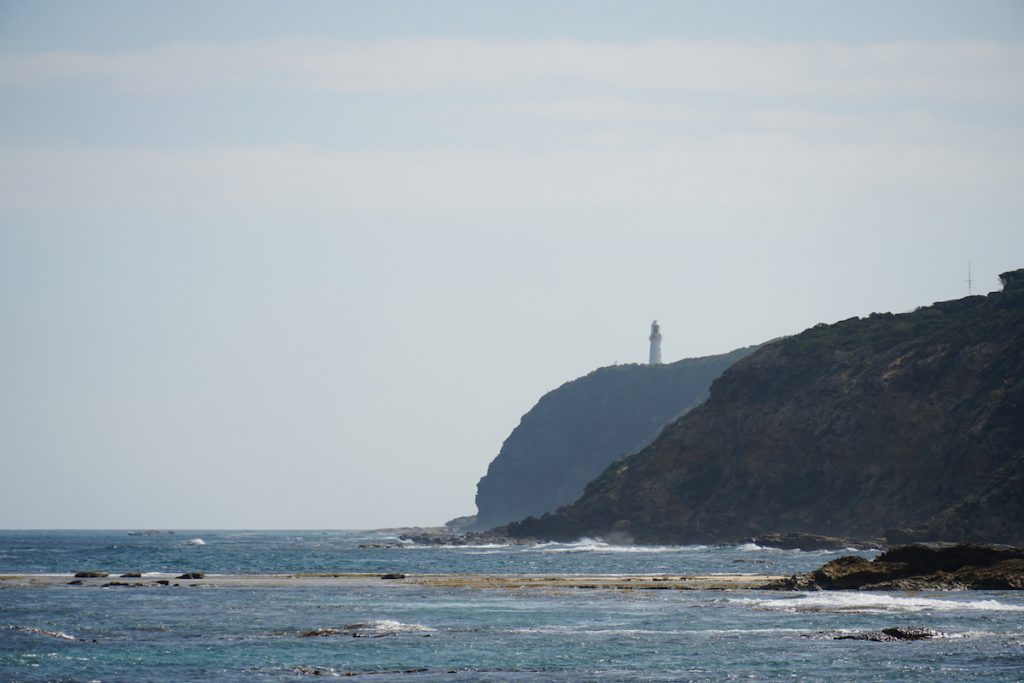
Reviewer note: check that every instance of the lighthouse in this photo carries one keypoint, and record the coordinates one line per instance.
(655, 343)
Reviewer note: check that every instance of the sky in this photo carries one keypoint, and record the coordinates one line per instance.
(306, 264)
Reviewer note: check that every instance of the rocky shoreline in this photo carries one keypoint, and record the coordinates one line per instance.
(544, 582)
(919, 567)
(783, 541)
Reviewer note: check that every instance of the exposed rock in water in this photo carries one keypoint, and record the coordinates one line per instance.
(460, 524)
(910, 425)
(91, 575)
(578, 429)
(798, 541)
(370, 629)
(919, 567)
(312, 671)
(59, 635)
(896, 633)
(124, 584)
(193, 575)
(468, 538)
(392, 576)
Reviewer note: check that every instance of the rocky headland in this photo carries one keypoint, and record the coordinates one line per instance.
(903, 427)
(578, 429)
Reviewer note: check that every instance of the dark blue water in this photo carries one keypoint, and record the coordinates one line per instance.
(261, 552)
(388, 632)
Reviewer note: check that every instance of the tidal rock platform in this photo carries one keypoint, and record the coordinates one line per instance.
(936, 566)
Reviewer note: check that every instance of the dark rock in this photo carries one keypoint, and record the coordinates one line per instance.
(193, 575)
(110, 584)
(909, 424)
(578, 429)
(460, 524)
(919, 567)
(76, 582)
(131, 575)
(91, 575)
(468, 538)
(162, 582)
(393, 576)
(1012, 280)
(312, 671)
(323, 633)
(800, 541)
(921, 558)
(895, 633)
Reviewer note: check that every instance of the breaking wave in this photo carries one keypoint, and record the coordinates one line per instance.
(377, 628)
(59, 635)
(864, 602)
(596, 545)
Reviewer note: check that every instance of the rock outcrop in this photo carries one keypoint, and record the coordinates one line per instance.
(919, 567)
(909, 427)
(575, 431)
(893, 634)
(798, 541)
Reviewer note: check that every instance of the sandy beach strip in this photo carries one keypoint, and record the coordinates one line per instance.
(477, 581)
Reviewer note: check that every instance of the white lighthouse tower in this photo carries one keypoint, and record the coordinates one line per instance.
(655, 343)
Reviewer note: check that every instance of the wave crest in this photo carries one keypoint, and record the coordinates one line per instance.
(377, 628)
(863, 602)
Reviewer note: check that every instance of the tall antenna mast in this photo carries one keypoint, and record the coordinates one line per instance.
(970, 281)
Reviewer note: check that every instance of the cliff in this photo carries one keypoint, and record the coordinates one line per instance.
(576, 430)
(903, 426)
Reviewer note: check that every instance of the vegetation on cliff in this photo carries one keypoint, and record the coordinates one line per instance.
(576, 430)
(905, 426)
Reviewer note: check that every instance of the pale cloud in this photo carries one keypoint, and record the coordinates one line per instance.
(782, 125)
(600, 109)
(749, 168)
(945, 70)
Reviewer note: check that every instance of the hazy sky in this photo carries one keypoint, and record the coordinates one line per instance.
(305, 264)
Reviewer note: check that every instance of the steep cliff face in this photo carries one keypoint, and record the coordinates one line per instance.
(909, 425)
(575, 431)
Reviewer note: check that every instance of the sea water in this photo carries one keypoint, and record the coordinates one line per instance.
(389, 631)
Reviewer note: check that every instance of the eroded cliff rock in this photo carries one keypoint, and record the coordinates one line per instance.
(909, 426)
(575, 431)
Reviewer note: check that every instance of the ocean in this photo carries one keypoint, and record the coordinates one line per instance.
(396, 631)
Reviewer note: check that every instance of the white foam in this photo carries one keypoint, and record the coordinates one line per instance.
(391, 626)
(481, 546)
(597, 545)
(860, 601)
(371, 629)
(195, 541)
(749, 547)
(754, 547)
(60, 635)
